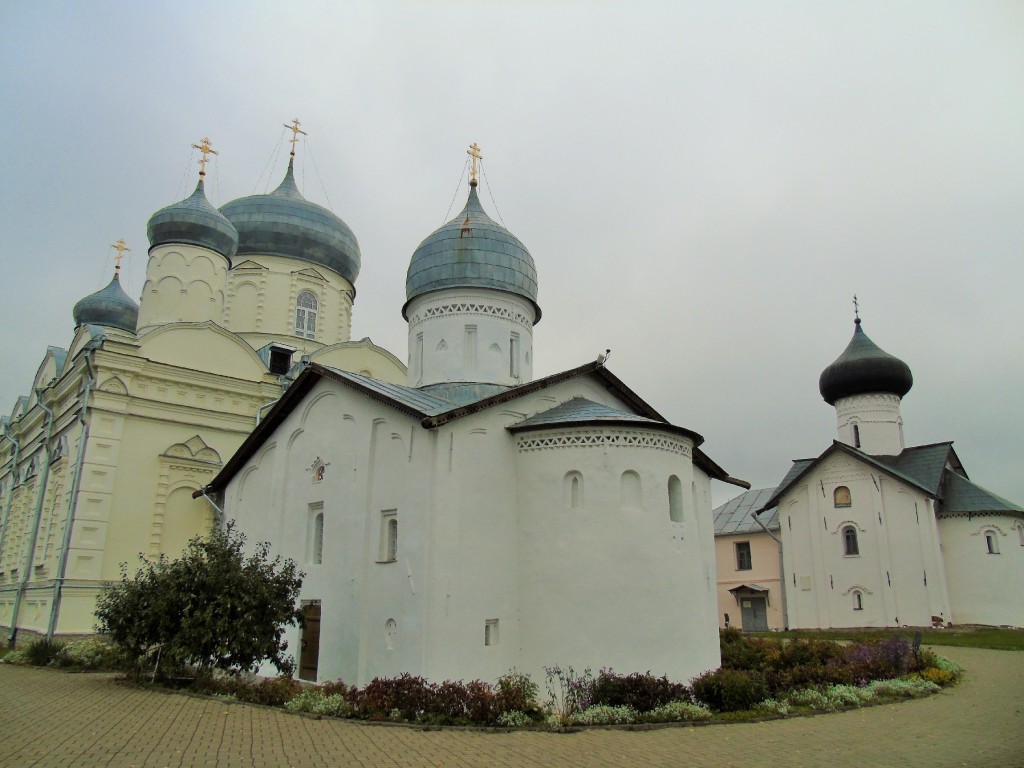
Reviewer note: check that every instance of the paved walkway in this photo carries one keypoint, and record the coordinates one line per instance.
(51, 719)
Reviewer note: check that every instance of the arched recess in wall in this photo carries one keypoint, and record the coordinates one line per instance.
(675, 500)
(198, 302)
(572, 491)
(183, 518)
(244, 307)
(631, 491)
(841, 497)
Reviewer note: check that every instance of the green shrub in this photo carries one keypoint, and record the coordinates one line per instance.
(600, 714)
(902, 688)
(740, 651)
(677, 712)
(513, 718)
(92, 653)
(640, 691)
(516, 692)
(315, 701)
(773, 707)
(41, 652)
(729, 690)
(407, 695)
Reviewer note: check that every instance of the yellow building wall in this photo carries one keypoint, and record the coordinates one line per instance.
(765, 571)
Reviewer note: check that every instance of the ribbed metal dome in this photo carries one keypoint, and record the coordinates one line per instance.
(110, 307)
(194, 221)
(284, 223)
(472, 251)
(863, 368)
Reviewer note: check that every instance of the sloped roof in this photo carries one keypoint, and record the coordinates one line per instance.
(434, 410)
(802, 466)
(964, 496)
(737, 515)
(925, 463)
(580, 411)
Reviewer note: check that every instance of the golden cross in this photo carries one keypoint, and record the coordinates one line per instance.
(294, 128)
(856, 307)
(474, 152)
(207, 149)
(121, 249)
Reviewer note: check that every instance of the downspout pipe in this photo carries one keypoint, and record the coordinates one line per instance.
(782, 570)
(5, 520)
(220, 516)
(69, 521)
(37, 516)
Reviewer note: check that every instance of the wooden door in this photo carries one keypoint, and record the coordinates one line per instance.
(309, 656)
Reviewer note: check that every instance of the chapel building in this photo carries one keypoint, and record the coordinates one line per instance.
(476, 519)
(873, 533)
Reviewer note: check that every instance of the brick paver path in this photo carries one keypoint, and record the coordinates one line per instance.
(51, 719)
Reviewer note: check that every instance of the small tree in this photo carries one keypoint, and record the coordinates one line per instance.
(213, 608)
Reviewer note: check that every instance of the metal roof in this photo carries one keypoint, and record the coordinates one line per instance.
(580, 410)
(195, 221)
(464, 392)
(964, 496)
(110, 308)
(472, 251)
(284, 223)
(924, 463)
(863, 367)
(737, 515)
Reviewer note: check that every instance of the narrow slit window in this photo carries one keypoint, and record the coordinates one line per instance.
(491, 632)
(858, 601)
(856, 436)
(991, 543)
(388, 536)
(850, 544)
(675, 500)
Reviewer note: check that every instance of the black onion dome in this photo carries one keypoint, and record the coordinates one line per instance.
(110, 307)
(472, 251)
(194, 221)
(284, 223)
(862, 368)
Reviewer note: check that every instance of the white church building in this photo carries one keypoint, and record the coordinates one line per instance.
(875, 533)
(476, 519)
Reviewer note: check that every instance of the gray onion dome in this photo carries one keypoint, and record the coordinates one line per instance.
(863, 368)
(472, 251)
(194, 221)
(110, 308)
(284, 223)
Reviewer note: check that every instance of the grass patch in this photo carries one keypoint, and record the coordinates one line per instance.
(996, 638)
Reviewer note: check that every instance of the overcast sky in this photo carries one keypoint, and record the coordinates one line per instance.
(703, 186)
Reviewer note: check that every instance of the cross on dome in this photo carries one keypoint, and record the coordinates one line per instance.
(856, 310)
(294, 128)
(122, 249)
(207, 149)
(473, 152)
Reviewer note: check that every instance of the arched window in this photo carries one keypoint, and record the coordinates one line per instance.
(573, 490)
(858, 601)
(1020, 533)
(841, 497)
(991, 543)
(392, 539)
(305, 315)
(390, 633)
(631, 494)
(850, 546)
(675, 500)
(856, 436)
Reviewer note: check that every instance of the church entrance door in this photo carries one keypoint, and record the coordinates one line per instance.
(309, 657)
(755, 614)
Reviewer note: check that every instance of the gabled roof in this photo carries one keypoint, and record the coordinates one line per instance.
(434, 411)
(802, 467)
(737, 515)
(964, 496)
(925, 463)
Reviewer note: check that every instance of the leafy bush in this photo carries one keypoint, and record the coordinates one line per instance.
(91, 653)
(890, 657)
(213, 607)
(514, 719)
(941, 677)
(600, 714)
(270, 691)
(902, 688)
(408, 695)
(741, 651)
(729, 690)
(315, 701)
(17, 656)
(641, 692)
(41, 652)
(677, 712)
(516, 692)
(773, 707)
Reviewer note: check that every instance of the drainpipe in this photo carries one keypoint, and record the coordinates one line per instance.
(69, 521)
(259, 417)
(44, 476)
(782, 571)
(221, 517)
(14, 473)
